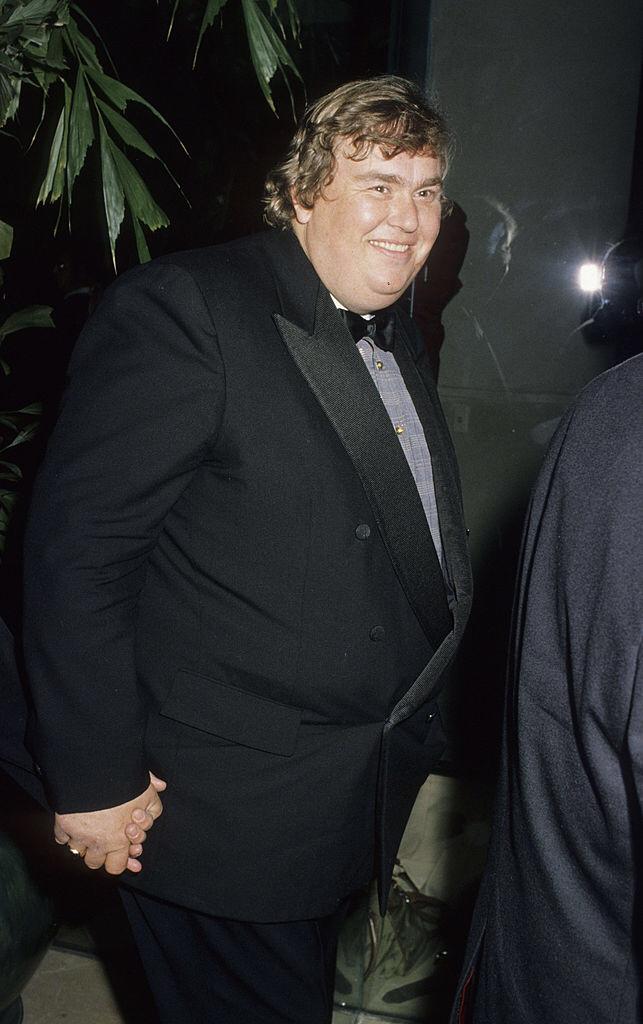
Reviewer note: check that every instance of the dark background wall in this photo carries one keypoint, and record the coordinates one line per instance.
(543, 99)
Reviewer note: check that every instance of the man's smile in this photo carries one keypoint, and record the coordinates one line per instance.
(390, 246)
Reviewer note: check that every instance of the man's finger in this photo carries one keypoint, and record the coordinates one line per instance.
(134, 865)
(159, 784)
(134, 833)
(61, 837)
(155, 808)
(135, 849)
(143, 818)
(116, 861)
(94, 859)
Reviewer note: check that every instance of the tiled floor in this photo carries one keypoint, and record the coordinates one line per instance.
(72, 989)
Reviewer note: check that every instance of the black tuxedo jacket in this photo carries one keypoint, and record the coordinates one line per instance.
(230, 581)
(557, 935)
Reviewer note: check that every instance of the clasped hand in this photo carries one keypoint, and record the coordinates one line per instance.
(112, 837)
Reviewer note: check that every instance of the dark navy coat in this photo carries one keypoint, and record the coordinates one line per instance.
(557, 935)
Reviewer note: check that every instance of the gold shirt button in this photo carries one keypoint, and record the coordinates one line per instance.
(399, 429)
(379, 365)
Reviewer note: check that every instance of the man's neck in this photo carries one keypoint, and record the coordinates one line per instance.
(338, 305)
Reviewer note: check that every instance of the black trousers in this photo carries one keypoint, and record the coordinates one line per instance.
(211, 970)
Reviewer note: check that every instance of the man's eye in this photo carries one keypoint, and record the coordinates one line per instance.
(429, 193)
(380, 188)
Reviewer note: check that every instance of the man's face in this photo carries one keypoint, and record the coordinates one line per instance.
(371, 229)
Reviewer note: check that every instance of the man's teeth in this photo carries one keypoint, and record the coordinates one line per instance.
(391, 246)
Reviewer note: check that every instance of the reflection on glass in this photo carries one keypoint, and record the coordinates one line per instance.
(590, 277)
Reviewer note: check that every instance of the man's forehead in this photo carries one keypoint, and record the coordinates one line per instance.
(391, 166)
(356, 149)
(378, 173)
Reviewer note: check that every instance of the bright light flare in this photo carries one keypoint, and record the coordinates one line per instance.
(590, 277)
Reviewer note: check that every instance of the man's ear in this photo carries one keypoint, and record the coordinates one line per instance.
(302, 213)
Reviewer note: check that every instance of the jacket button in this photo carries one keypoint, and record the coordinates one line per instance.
(362, 531)
(377, 633)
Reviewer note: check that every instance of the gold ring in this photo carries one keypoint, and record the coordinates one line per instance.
(75, 852)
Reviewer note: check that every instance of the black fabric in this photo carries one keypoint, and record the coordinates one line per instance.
(198, 602)
(380, 328)
(344, 389)
(557, 934)
(215, 971)
(15, 760)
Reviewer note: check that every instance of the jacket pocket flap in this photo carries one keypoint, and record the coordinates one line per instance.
(233, 714)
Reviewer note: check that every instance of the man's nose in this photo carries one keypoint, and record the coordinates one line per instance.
(403, 212)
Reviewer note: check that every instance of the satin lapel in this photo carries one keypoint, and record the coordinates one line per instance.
(421, 387)
(340, 382)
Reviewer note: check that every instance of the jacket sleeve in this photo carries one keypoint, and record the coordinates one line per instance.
(144, 402)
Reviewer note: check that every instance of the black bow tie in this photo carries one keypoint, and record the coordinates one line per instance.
(380, 328)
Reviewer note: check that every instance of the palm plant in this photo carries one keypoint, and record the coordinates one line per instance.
(43, 45)
(17, 426)
(51, 47)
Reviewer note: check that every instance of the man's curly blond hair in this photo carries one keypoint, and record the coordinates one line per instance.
(386, 111)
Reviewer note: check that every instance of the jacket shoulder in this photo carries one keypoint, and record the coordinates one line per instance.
(247, 269)
(246, 255)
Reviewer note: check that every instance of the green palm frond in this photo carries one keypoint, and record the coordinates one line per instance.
(267, 50)
(43, 45)
(265, 32)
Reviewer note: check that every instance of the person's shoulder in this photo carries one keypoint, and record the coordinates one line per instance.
(251, 248)
(613, 398)
(239, 263)
(599, 438)
(248, 249)
(223, 268)
(624, 379)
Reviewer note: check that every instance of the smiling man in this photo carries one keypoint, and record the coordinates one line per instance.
(372, 228)
(247, 572)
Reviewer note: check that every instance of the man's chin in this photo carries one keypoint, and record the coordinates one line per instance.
(387, 296)
(376, 293)
(388, 289)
